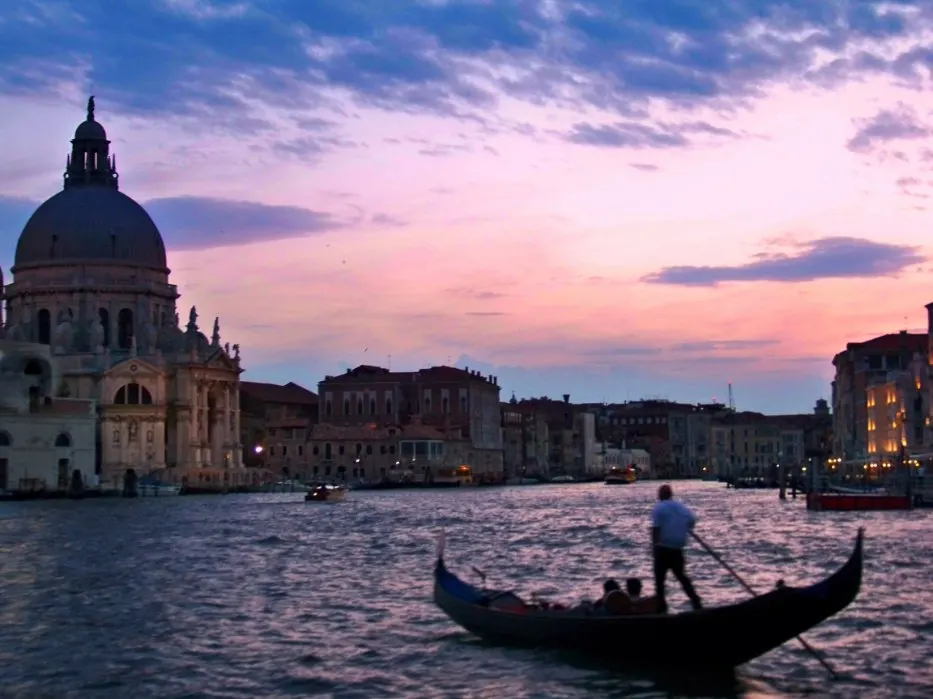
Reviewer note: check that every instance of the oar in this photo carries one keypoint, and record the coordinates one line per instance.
(810, 649)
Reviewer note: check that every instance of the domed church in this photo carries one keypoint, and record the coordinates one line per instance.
(90, 280)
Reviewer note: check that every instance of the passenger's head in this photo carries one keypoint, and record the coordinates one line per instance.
(610, 585)
(633, 587)
(665, 492)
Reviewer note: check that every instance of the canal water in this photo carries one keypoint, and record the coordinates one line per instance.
(268, 596)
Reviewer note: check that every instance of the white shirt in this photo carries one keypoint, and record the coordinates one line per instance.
(674, 520)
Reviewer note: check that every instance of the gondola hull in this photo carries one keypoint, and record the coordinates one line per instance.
(715, 638)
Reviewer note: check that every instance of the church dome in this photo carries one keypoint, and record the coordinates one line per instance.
(91, 220)
(91, 224)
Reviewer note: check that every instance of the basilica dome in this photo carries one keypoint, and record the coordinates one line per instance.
(91, 220)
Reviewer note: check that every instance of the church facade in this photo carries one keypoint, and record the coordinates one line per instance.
(91, 281)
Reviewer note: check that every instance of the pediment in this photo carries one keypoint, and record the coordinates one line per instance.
(133, 368)
(218, 359)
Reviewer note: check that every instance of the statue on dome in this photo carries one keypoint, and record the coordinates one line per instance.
(193, 320)
(97, 336)
(64, 333)
(90, 108)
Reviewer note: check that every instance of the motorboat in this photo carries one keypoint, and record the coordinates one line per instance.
(326, 493)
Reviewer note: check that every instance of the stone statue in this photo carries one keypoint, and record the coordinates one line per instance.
(215, 336)
(152, 338)
(133, 430)
(227, 348)
(193, 319)
(97, 336)
(236, 351)
(64, 334)
(90, 108)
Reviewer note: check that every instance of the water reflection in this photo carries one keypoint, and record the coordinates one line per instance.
(266, 595)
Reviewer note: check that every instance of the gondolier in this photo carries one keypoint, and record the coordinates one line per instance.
(671, 524)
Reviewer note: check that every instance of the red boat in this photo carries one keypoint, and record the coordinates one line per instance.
(857, 502)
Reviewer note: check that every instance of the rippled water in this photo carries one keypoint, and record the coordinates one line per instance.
(269, 596)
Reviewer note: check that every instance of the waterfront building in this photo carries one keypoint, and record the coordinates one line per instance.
(859, 367)
(525, 440)
(755, 445)
(609, 456)
(460, 405)
(677, 435)
(47, 442)
(276, 423)
(571, 434)
(91, 282)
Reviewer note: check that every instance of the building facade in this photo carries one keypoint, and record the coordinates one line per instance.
(47, 443)
(459, 404)
(91, 282)
(276, 422)
(859, 367)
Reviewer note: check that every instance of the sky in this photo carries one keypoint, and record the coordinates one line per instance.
(654, 198)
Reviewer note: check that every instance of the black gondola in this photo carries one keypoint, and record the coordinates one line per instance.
(714, 638)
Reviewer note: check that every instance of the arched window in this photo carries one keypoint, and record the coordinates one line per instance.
(45, 326)
(388, 406)
(327, 408)
(315, 450)
(427, 405)
(327, 451)
(346, 406)
(369, 449)
(104, 316)
(359, 449)
(5, 439)
(372, 406)
(132, 394)
(63, 440)
(383, 449)
(359, 406)
(445, 404)
(463, 404)
(125, 328)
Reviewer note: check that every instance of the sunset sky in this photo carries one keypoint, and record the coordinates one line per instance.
(615, 200)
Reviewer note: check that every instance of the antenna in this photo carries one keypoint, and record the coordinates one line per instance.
(389, 357)
(731, 398)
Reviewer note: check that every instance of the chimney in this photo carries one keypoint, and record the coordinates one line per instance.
(466, 369)
(566, 397)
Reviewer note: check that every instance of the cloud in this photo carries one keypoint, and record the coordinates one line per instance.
(636, 135)
(836, 257)
(191, 223)
(898, 124)
(225, 61)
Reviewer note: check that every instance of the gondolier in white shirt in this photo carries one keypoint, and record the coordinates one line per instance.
(671, 524)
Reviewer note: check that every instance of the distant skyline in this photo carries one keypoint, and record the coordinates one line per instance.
(611, 200)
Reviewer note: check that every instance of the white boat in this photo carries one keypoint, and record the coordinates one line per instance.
(856, 490)
(153, 490)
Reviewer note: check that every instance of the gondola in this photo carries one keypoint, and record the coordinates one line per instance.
(714, 638)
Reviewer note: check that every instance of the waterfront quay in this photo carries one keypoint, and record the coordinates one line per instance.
(246, 596)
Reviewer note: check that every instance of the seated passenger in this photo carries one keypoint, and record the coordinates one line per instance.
(640, 605)
(608, 587)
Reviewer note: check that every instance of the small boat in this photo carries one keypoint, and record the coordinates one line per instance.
(713, 638)
(857, 502)
(857, 490)
(452, 477)
(156, 488)
(564, 478)
(326, 493)
(621, 476)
